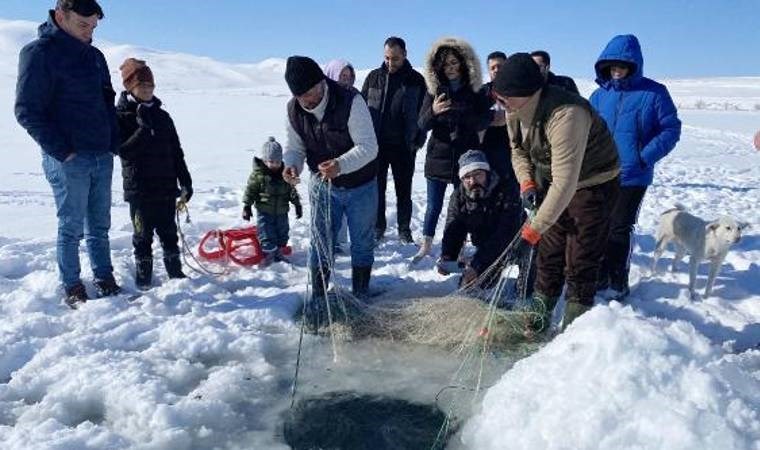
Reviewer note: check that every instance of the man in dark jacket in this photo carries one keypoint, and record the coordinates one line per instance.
(543, 60)
(331, 129)
(483, 206)
(152, 164)
(394, 94)
(65, 101)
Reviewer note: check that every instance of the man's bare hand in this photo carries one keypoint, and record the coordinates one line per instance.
(329, 169)
(290, 175)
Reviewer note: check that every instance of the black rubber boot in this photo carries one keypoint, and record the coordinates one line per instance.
(143, 273)
(173, 266)
(360, 281)
(320, 279)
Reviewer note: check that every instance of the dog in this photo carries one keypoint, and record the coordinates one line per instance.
(700, 239)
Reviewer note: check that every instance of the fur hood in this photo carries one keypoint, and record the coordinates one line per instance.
(471, 60)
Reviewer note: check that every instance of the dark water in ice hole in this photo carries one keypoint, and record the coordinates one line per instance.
(376, 393)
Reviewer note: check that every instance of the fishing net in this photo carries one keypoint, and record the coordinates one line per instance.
(479, 322)
(494, 310)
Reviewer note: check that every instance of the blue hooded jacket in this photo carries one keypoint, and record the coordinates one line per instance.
(638, 111)
(64, 97)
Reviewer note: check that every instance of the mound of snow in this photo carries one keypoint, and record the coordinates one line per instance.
(619, 380)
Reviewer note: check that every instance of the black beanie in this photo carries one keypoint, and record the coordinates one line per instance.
(520, 76)
(302, 73)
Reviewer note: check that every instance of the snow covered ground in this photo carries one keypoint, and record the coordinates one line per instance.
(208, 363)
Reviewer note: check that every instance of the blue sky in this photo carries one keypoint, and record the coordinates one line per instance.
(680, 38)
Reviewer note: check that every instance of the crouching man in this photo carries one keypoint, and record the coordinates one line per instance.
(484, 206)
(563, 153)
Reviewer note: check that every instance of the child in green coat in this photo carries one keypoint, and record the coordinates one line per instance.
(271, 196)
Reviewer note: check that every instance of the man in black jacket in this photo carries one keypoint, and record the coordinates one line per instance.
(483, 206)
(394, 94)
(542, 58)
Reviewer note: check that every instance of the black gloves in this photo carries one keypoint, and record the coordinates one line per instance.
(247, 213)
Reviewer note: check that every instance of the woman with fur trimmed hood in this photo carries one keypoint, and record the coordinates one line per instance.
(455, 113)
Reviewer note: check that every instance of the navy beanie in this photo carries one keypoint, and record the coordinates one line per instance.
(520, 76)
(302, 73)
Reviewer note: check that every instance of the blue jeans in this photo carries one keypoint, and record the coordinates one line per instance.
(436, 191)
(82, 191)
(273, 230)
(358, 205)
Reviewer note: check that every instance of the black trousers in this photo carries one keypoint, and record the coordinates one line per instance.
(401, 162)
(154, 216)
(616, 262)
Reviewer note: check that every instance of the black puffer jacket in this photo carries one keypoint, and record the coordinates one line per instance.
(492, 222)
(152, 160)
(455, 131)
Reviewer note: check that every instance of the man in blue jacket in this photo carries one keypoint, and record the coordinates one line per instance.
(644, 122)
(65, 101)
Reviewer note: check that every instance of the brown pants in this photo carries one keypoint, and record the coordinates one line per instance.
(570, 251)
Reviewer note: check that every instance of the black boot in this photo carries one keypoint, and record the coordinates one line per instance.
(315, 312)
(173, 266)
(143, 273)
(106, 287)
(360, 281)
(75, 295)
(320, 278)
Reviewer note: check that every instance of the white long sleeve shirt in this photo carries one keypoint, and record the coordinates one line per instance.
(360, 129)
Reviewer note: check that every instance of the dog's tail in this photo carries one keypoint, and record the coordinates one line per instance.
(676, 207)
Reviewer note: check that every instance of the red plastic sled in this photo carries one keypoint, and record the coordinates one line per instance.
(239, 245)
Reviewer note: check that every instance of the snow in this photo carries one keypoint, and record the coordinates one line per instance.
(621, 380)
(208, 363)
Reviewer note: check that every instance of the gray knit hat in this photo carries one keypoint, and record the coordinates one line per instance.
(472, 160)
(271, 150)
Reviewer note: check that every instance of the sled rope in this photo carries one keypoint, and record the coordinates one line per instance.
(187, 253)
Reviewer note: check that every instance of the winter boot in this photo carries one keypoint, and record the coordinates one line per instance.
(619, 289)
(540, 311)
(360, 281)
(143, 273)
(405, 236)
(75, 295)
(315, 311)
(573, 310)
(280, 257)
(269, 258)
(106, 287)
(425, 248)
(320, 279)
(173, 266)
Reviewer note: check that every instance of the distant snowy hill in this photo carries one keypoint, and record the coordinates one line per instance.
(179, 71)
